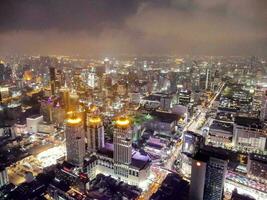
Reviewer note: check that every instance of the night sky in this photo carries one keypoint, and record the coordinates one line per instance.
(150, 27)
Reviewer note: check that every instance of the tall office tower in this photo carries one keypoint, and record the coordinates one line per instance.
(107, 65)
(65, 97)
(59, 79)
(92, 78)
(207, 79)
(52, 72)
(75, 140)
(207, 177)
(73, 102)
(122, 139)
(95, 133)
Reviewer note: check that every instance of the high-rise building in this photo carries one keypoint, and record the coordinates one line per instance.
(92, 78)
(95, 133)
(64, 95)
(52, 72)
(184, 97)
(192, 143)
(207, 79)
(75, 140)
(207, 177)
(73, 102)
(118, 159)
(122, 140)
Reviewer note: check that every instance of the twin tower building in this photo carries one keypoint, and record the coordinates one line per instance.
(116, 159)
(77, 137)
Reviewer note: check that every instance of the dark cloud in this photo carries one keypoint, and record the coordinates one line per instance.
(133, 26)
(64, 14)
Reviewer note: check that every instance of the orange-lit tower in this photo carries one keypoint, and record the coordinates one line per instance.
(95, 133)
(122, 139)
(75, 140)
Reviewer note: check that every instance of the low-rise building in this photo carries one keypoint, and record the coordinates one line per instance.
(249, 134)
(220, 132)
(102, 162)
(162, 122)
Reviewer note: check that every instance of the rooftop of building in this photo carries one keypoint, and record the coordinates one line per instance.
(106, 187)
(228, 109)
(224, 116)
(185, 92)
(34, 116)
(152, 98)
(224, 126)
(28, 190)
(165, 116)
(258, 157)
(156, 96)
(172, 187)
(236, 196)
(139, 160)
(205, 155)
(251, 122)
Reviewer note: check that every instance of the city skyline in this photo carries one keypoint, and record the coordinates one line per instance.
(133, 99)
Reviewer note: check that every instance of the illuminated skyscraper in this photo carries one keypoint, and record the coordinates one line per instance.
(65, 97)
(92, 79)
(207, 79)
(122, 140)
(207, 177)
(75, 141)
(95, 133)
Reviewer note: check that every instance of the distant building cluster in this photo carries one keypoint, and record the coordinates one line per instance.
(192, 127)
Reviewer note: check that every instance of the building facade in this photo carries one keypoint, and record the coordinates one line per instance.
(95, 133)
(75, 141)
(207, 177)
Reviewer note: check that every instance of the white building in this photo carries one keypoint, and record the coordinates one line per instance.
(220, 132)
(249, 134)
(32, 123)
